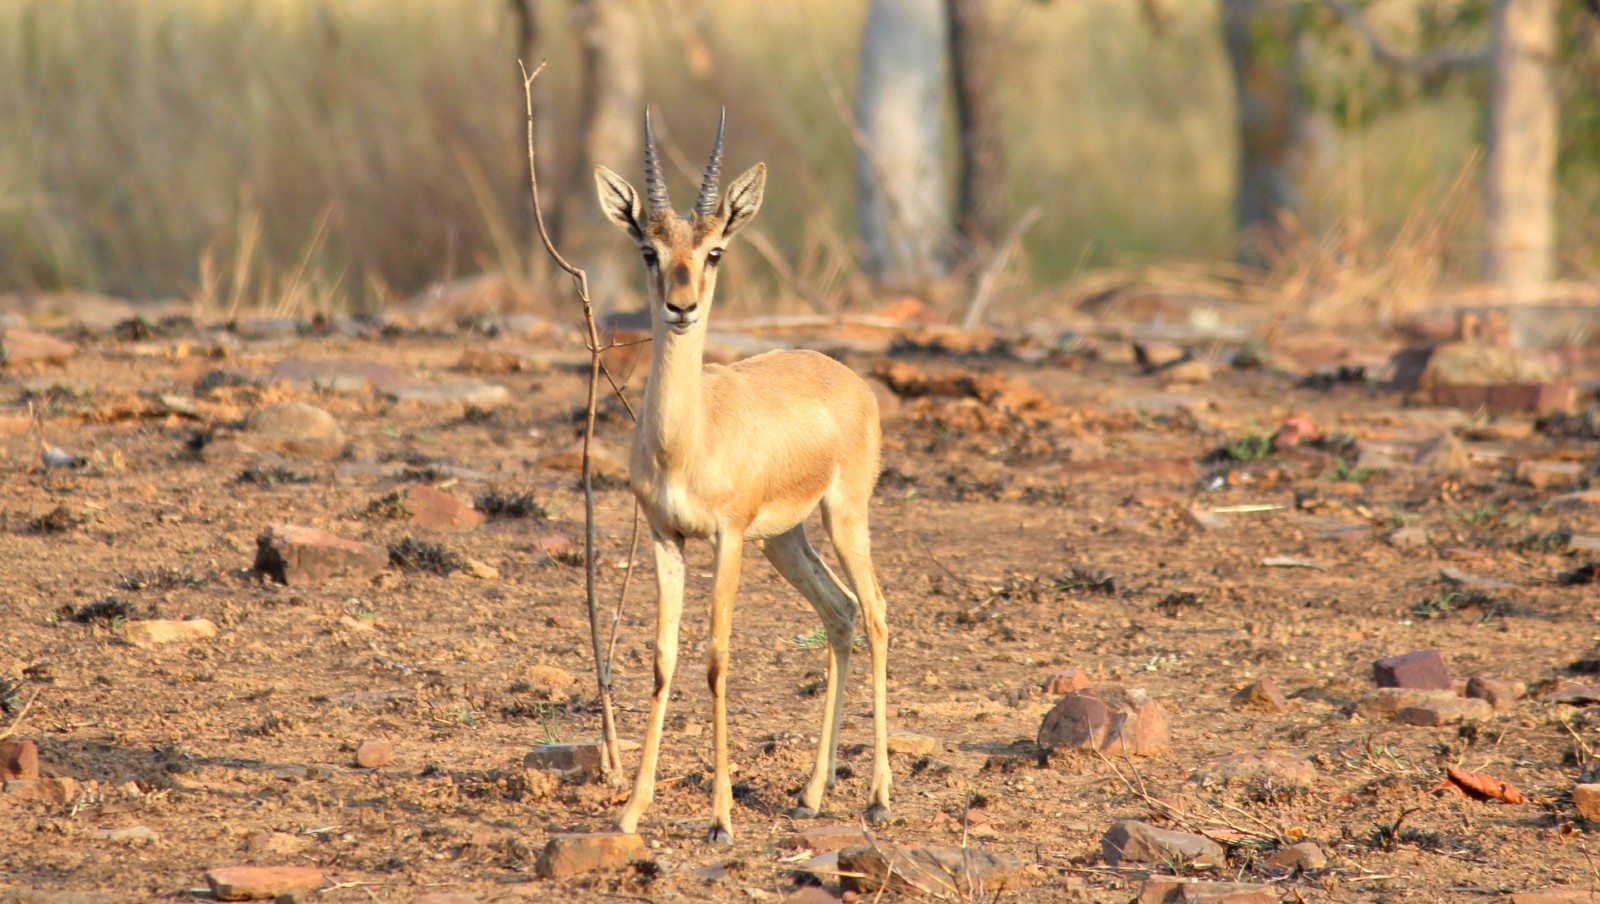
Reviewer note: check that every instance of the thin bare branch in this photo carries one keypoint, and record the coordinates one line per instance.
(1424, 65)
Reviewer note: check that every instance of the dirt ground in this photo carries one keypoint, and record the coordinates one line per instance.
(1014, 536)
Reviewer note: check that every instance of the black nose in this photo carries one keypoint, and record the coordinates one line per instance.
(690, 309)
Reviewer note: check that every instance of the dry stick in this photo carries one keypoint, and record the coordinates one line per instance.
(16, 721)
(608, 724)
(980, 297)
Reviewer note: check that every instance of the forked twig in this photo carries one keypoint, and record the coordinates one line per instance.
(16, 721)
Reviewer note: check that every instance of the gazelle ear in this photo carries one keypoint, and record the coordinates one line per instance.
(743, 199)
(619, 201)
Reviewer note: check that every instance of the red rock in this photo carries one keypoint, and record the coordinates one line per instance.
(1306, 855)
(1545, 475)
(569, 855)
(1445, 712)
(1587, 799)
(248, 883)
(156, 631)
(1423, 669)
(1110, 719)
(825, 838)
(374, 754)
(435, 509)
(20, 346)
(552, 545)
(1294, 431)
(927, 871)
(19, 759)
(1263, 695)
(1066, 681)
(290, 554)
(1502, 695)
(1550, 397)
(60, 790)
(1130, 841)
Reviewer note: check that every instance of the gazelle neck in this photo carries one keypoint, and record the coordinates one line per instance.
(672, 397)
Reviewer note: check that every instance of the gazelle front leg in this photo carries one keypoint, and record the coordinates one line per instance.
(729, 553)
(669, 612)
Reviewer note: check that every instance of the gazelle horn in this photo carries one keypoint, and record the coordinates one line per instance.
(654, 183)
(706, 204)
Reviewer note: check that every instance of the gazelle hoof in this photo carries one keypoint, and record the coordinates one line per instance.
(719, 835)
(877, 814)
(802, 812)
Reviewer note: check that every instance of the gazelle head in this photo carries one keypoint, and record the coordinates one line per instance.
(681, 253)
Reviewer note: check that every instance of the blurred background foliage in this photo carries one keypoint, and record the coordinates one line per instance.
(352, 152)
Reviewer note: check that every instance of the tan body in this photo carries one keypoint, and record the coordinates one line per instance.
(746, 452)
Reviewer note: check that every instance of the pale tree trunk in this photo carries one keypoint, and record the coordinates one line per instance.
(1519, 167)
(1264, 47)
(610, 122)
(529, 48)
(901, 205)
(981, 208)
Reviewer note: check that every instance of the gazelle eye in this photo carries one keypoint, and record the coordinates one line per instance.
(714, 255)
(649, 256)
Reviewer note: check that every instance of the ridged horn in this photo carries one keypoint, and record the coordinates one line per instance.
(706, 204)
(655, 184)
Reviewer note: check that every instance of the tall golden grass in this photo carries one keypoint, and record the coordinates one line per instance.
(329, 153)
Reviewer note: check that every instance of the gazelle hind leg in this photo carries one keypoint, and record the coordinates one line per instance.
(729, 553)
(792, 555)
(846, 521)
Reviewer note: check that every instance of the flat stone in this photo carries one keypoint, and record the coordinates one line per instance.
(295, 555)
(1587, 799)
(930, 870)
(1556, 896)
(569, 855)
(566, 759)
(1542, 397)
(1445, 712)
(19, 759)
(1133, 842)
(132, 836)
(20, 346)
(1444, 454)
(466, 392)
(1107, 719)
(1066, 681)
(156, 631)
(248, 883)
(1264, 695)
(58, 790)
(1388, 701)
(435, 509)
(335, 375)
(1204, 519)
(1423, 669)
(1176, 890)
(1502, 695)
(1412, 537)
(913, 744)
(296, 428)
(1271, 768)
(1191, 372)
(825, 838)
(1307, 855)
(1576, 695)
(374, 753)
(1544, 475)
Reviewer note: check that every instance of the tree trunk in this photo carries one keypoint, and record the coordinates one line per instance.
(901, 206)
(610, 121)
(1519, 167)
(1264, 48)
(981, 209)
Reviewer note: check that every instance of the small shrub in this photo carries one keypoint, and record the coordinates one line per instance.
(417, 555)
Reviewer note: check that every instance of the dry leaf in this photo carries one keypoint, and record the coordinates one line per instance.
(1479, 786)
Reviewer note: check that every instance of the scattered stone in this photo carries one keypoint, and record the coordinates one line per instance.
(1502, 695)
(1192, 371)
(479, 569)
(20, 346)
(1577, 695)
(335, 375)
(1545, 397)
(132, 836)
(466, 392)
(1271, 768)
(295, 555)
(1108, 719)
(1066, 681)
(1444, 454)
(1587, 799)
(551, 546)
(547, 680)
(913, 744)
(1544, 475)
(1305, 856)
(1263, 695)
(374, 754)
(249, 883)
(585, 758)
(569, 855)
(1387, 702)
(825, 838)
(1461, 578)
(19, 759)
(156, 631)
(1133, 842)
(296, 428)
(435, 509)
(1423, 669)
(1445, 712)
(1153, 356)
(812, 894)
(1556, 896)
(1176, 890)
(59, 790)
(1204, 519)
(492, 361)
(932, 870)
(1412, 537)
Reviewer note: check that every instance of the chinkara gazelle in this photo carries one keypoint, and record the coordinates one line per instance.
(745, 452)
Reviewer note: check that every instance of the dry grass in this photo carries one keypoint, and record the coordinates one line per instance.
(305, 156)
